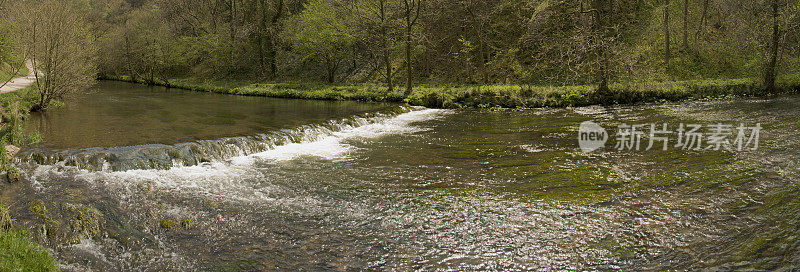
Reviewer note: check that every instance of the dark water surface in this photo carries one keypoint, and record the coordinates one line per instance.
(122, 114)
(420, 189)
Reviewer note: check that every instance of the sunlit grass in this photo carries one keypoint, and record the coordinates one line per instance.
(507, 96)
(18, 252)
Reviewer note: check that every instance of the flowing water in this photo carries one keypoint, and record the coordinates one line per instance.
(389, 187)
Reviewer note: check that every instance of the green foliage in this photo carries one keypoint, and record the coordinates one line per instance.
(58, 37)
(17, 251)
(320, 33)
(547, 42)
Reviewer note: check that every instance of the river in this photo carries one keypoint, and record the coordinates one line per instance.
(137, 178)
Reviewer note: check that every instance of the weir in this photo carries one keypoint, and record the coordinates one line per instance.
(160, 156)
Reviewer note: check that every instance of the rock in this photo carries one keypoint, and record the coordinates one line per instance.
(12, 151)
(12, 176)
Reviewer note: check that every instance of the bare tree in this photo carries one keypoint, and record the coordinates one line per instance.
(667, 52)
(701, 26)
(770, 74)
(685, 24)
(270, 13)
(383, 16)
(600, 42)
(59, 43)
(412, 11)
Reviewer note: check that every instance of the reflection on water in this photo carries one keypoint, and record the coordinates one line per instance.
(448, 190)
(124, 114)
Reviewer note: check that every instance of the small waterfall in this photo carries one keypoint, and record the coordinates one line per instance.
(159, 156)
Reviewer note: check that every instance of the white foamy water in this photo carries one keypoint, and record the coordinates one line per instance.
(333, 146)
(232, 179)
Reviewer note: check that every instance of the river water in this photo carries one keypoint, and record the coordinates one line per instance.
(348, 186)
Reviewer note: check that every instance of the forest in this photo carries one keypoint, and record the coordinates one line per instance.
(401, 43)
(399, 135)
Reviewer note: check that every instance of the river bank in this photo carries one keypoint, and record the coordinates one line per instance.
(488, 96)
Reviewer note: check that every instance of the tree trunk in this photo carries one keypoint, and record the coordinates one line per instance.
(599, 46)
(667, 52)
(388, 62)
(273, 68)
(769, 76)
(386, 50)
(686, 24)
(700, 27)
(409, 88)
(268, 37)
(483, 56)
(331, 65)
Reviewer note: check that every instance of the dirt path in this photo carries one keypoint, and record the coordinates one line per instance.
(20, 82)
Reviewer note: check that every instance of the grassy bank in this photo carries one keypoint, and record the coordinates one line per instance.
(486, 96)
(26, 97)
(18, 252)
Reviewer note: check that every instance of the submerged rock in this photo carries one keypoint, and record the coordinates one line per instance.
(12, 176)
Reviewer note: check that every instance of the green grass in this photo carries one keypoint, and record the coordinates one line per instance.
(488, 96)
(26, 97)
(18, 252)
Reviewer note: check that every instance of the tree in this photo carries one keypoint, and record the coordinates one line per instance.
(320, 34)
(10, 62)
(601, 29)
(685, 24)
(667, 41)
(377, 24)
(411, 13)
(384, 19)
(770, 74)
(701, 26)
(59, 43)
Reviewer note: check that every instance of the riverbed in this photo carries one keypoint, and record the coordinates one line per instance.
(194, 181)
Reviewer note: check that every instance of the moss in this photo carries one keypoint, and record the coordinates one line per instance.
(6, 222)
(539, 158)
(187, 224)
(621, 249)
(166, 223)
(476, 150)
(84, 221)
(169, 223)
(581, 184)
(173, 153)
(37, 207)
(12, 174)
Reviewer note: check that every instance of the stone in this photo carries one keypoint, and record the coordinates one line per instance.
(12, 176)
(12, 151)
